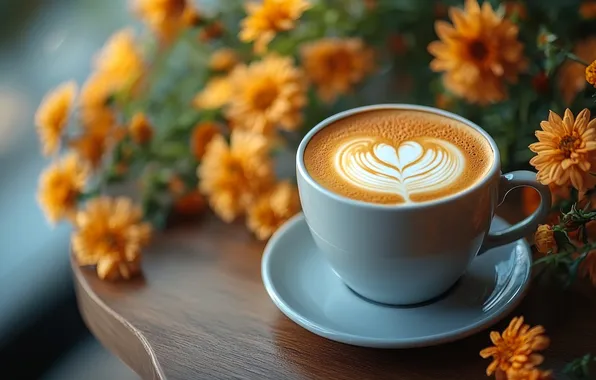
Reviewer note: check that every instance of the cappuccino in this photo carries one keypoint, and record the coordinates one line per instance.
(397, 156)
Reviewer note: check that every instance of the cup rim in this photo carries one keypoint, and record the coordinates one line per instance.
(301, 168)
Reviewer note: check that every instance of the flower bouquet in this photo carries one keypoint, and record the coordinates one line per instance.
(198, 106)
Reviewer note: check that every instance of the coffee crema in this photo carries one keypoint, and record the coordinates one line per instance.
(397, 156)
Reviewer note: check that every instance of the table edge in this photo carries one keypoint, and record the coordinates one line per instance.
(113, 331)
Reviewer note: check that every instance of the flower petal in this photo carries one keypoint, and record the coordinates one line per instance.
(568, 121)
(556, 122)
(577, 179)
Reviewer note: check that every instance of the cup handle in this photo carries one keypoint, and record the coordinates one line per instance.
(519, 230)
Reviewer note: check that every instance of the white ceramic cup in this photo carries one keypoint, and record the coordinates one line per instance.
(405, 254)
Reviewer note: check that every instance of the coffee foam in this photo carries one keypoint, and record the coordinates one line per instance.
(397, 156)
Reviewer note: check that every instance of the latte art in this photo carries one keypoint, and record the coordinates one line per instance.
(395, 156)
(412, 167)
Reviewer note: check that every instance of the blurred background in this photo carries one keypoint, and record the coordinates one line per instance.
(42, 43)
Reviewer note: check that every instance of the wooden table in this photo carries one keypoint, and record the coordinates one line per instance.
(201, 312)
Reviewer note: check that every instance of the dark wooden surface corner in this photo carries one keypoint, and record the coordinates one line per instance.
(201, 312)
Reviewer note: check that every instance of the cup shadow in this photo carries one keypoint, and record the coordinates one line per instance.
(314, 357)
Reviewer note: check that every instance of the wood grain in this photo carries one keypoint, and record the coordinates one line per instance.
(201, 312)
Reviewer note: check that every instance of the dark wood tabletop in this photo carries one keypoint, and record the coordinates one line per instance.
(200, 311)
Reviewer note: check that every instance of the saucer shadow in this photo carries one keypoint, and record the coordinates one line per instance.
(566, 314)
(315, 357)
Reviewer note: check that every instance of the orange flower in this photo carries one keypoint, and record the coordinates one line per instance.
(120, 63)
(544, 238)
(223, 59)
(140, 129)
(335, 65)
(110, 234)
(272, 209)
(51, 117)
(564, 150)
(267, 94)
(91, 145)
(587, 9)
(60, 186)
(232, 175)
(166, 18)
(94, 110)
(216, 94)
(269, 17)
(478, 54)
(201, 136)
(572, 75)
(515, 348)
(190, 204)
(591, 73)
(588, 266)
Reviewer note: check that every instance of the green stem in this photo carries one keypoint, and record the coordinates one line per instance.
(575, 58)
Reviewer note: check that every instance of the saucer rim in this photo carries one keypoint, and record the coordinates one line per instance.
(374, 342)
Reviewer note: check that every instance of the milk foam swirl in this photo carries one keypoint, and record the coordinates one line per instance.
(417, 166)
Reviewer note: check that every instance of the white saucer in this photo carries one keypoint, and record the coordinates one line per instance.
(305, 289)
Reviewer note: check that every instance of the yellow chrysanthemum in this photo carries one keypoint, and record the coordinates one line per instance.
(110, 234)
(232, 175)
(335, 65)
(166, 17)
(51, 117)
(202, 135)
(216, 94)
(479, 54)
(98, 121)
(120, 63)
(90, 146)
(572, 75)
(60, 186)
(516, 348)
(223, 59)
(565, 150)
(140, 129)
(93, 104)
(267, 94)
(591, 73)
(272, 209)
(269, 17)
(544, 239)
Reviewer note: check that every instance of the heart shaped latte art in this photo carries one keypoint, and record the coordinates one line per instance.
(422, 165)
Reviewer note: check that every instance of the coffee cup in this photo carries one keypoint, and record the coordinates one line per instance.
(400, 221)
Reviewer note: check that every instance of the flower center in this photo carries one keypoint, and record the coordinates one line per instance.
(478, 50)
(264, 95)
(114, 242)
(568, 145)
(235, 168)
(339, 62)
